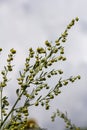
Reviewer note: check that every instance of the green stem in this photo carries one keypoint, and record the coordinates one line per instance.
(1, 116)
(2, 123)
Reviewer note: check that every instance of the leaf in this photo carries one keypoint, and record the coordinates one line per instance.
(27, 78)
(4, 98)
(41, 74)
(5, 68)
(17, 92)
(44, 73)
(39, 98)
(20, 73)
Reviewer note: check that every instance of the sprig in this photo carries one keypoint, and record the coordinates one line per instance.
(32, 80)
(67, 121)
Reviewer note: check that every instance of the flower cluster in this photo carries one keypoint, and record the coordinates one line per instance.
(67, 121)
(32, 80)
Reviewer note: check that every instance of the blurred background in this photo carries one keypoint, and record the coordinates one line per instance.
(28, 23)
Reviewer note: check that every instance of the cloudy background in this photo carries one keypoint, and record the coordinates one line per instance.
(28, 23)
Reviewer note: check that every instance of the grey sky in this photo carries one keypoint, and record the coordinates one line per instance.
(26, 23)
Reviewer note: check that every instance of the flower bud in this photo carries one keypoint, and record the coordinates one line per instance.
(47, 107)
(13, 51)
(36, 103)
(77, 19)
(47, 43)
(0, 49)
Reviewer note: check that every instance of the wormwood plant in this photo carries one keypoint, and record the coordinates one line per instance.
(32, 80)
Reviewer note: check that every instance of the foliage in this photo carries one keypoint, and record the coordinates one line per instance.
(82, 128)
(68, 122)
(32, 80)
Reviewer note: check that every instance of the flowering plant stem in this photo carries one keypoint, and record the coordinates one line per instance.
(3, 121)
(1, 117)
(34, 78)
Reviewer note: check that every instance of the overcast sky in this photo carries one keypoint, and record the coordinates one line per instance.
(28, 23)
